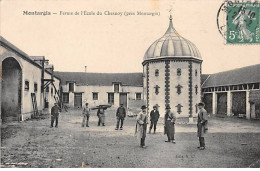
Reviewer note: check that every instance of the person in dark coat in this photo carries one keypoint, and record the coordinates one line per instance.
(101, 116)
(169, 122)
(55, 115)
(154, 116)
(120, 116)
(202, 125)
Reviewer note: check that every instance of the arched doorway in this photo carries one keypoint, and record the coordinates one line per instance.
(11, 89)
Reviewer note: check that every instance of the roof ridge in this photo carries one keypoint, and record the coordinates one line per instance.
(235, 69)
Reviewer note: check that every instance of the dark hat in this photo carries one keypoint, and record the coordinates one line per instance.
(201, 104)
(154, 106)
(86, 103)
(168, 107)
(143, 107)
(121, 104)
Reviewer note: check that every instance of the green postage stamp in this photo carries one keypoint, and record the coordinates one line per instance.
(241, 25)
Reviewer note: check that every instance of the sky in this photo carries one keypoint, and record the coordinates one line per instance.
(117, 44)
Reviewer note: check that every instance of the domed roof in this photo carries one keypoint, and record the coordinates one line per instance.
(171, 44)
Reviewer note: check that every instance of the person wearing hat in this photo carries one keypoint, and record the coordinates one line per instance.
(141, 126)
(154, 116)
(169, 122)
(120, 116)
(55, 115)
(86, 114)
(101, 116)
(202, 125)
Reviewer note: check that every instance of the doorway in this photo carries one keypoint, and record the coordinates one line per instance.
(78, 100)
(11, 95)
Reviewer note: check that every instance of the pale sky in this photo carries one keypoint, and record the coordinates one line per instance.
(109, 43)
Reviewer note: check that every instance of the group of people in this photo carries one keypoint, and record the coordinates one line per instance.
(169, 124)
(120, 115)
(142, 121)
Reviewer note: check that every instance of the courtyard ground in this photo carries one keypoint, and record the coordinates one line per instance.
(231, 142)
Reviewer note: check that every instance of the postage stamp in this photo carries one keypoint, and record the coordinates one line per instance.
(238, 22)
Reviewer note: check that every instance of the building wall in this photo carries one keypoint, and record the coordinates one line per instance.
(183, 80)
(87, 94)
(187, 78)
(196, 97)
(157, 81)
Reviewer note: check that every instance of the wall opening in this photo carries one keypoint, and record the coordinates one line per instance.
(11, 98)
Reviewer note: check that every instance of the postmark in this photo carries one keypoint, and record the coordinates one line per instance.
(238, 22)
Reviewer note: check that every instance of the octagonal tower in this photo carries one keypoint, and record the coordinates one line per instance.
(172, 74)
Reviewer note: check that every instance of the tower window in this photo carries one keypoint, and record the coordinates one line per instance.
(156, 89)
(196, 72)
(196, 89)
(179, 89)
(156, 72)
(179, 72)
(179, 106)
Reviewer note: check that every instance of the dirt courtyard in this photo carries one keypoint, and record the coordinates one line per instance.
(230, 143)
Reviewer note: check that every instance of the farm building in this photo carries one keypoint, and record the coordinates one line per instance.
(28, 85)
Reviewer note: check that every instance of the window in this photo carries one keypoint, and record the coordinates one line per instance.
(138, 96)
(179, 106)
(95, 96)
(196, 72)
(51, 91)
(179, 72)
(116, 88)
(35, 87)
(179, 89)
(65, 98)
(26, 86)
(111, 98)
(156, 89)
(196, 89)
(156, 72)
(71, 87)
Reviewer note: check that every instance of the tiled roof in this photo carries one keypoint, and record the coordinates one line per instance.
(249, 74)
(21, 54)
(103, 79)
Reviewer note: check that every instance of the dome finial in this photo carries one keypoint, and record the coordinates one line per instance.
(170, 17)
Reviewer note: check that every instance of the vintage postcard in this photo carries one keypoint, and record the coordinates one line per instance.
(130, 83)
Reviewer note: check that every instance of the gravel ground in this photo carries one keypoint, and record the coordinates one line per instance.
(230, 143)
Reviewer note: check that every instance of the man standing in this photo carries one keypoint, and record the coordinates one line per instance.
(169, 122)
(120, 116)
(55, 115)
(86, 113)
(141, 126)
(154, 116)
(101, 116)
(202, 125)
